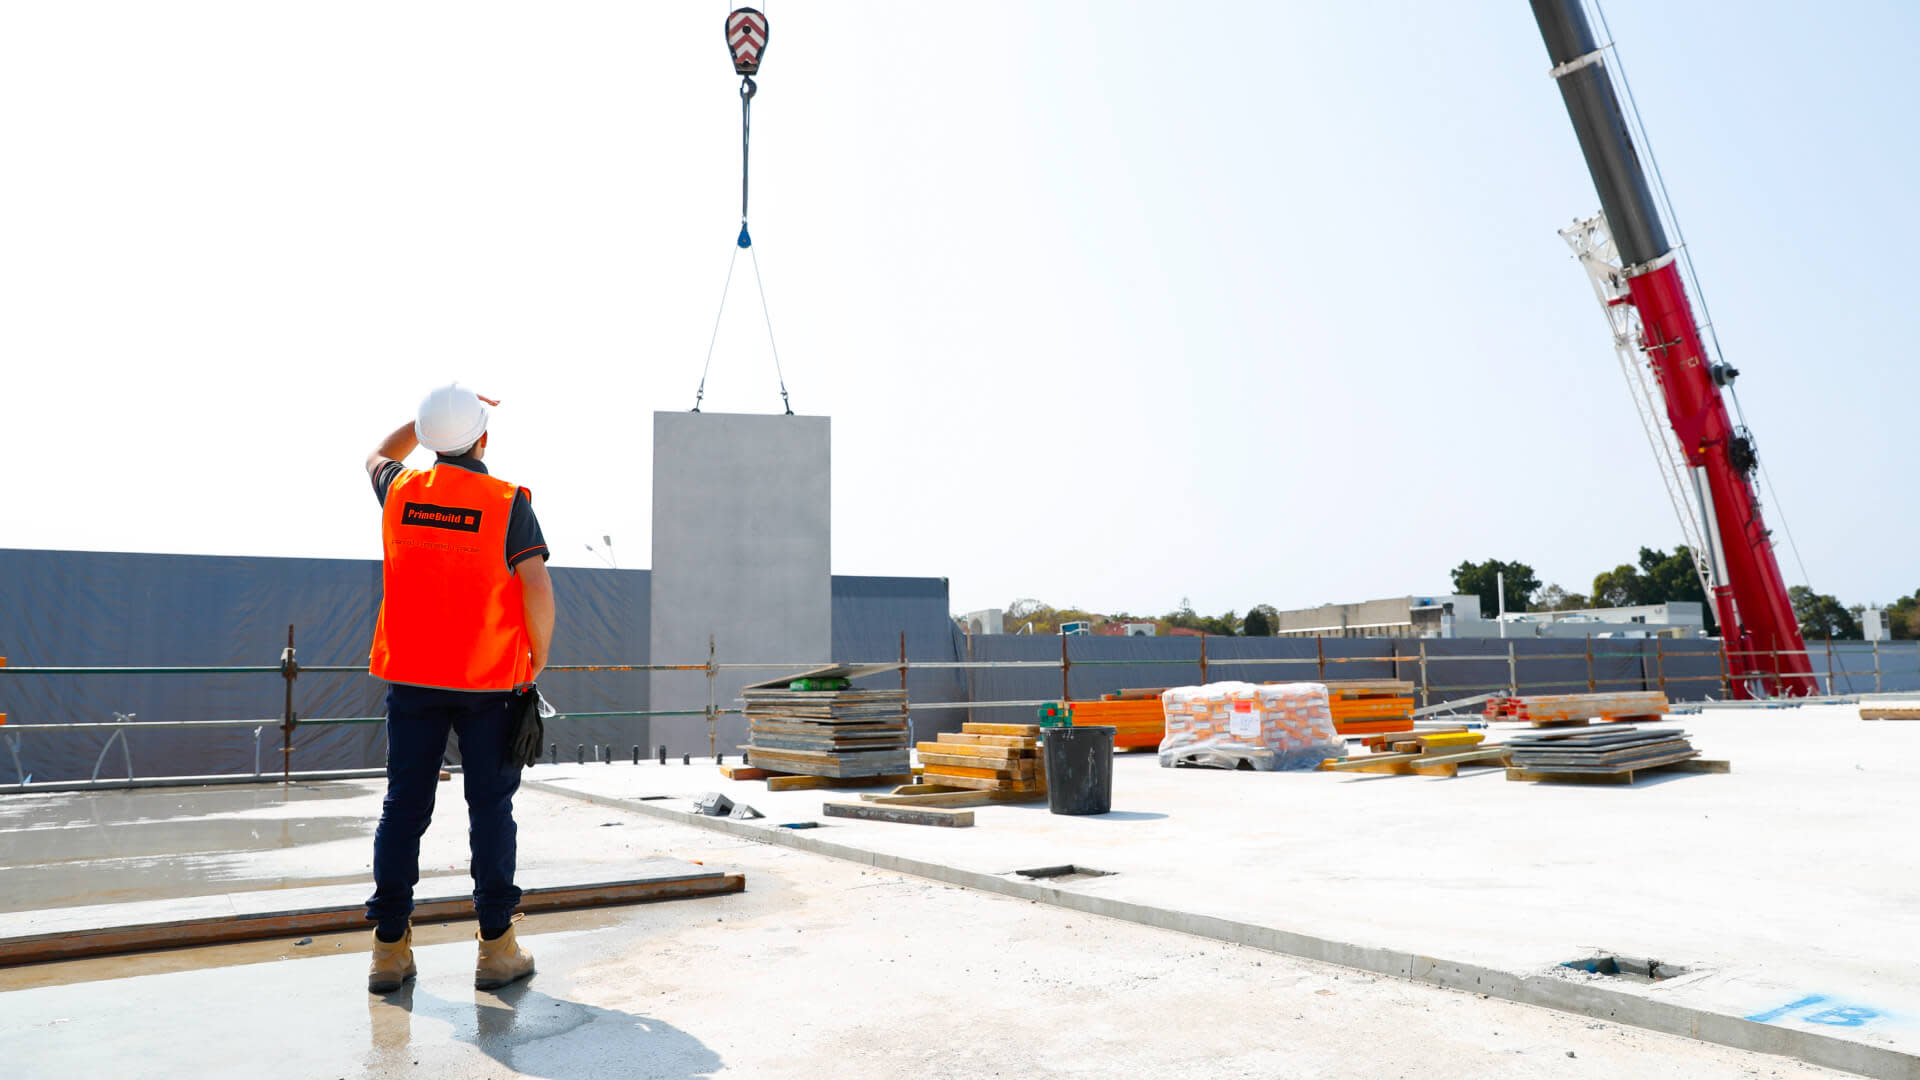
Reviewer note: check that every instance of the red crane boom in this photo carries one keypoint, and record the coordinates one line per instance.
(1765, 652)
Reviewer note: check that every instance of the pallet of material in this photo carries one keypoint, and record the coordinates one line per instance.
(1366, 706)
(1601, 750)
(839, 734)
(1620, 776)
(1544, 709)
(1889, 712)
(1136, 722)
(985, 757)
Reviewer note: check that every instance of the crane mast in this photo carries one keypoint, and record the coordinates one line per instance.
(1766, 655)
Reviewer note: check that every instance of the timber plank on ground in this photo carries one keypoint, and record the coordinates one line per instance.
(953, 799)
(227, 927)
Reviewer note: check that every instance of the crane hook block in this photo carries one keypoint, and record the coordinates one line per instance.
(747, 32)
(744, 241)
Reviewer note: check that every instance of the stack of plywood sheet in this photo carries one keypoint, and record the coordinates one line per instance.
(1545, 709)
(1366, 706)
(1601, 750)
(986, 757)
(1135, 716)
(842, 733)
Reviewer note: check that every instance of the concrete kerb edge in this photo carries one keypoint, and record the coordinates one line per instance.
(1543, 991)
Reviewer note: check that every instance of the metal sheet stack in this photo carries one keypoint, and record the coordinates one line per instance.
(1600, 749)
(835, 732)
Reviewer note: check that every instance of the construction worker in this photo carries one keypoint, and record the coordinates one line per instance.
(465, 621)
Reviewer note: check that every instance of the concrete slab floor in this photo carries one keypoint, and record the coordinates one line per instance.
(1784, 888)
(822, 968)
(74, 849)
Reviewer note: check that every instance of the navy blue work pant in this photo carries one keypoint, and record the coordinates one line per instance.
(418, 722)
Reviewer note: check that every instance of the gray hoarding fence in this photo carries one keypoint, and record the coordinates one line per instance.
(1026, 674)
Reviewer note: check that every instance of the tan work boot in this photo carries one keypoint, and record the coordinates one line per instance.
(502, 960)
(392, 964)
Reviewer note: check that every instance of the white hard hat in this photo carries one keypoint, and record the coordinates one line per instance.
(451, 418)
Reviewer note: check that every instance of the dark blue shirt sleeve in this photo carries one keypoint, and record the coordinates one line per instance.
(383, 478)
(524, 538)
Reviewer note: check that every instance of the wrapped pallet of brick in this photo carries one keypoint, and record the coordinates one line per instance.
(1237, 725)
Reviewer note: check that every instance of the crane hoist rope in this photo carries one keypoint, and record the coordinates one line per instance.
(747, 33)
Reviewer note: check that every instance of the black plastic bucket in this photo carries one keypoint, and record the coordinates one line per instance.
(1079, 769)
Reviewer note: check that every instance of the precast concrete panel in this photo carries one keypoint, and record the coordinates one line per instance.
(742, 552)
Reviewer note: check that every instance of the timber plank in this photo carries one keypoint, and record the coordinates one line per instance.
(227, 928)
(952, 799)
(960, 766)
(808, 783)
(962, 738)
(903, 815)
(985, 753)
(987, 783)
(1031, 731)
(1355, 764)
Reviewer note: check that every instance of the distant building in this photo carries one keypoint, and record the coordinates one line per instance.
(1456, 616)
(1676, 618)
(1399, 616)
(985, 621)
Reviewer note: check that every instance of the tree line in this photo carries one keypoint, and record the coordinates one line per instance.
(1655, 577)
(1659, 578)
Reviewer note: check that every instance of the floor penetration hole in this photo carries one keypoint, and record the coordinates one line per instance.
(1063, 872)
(1630, 968)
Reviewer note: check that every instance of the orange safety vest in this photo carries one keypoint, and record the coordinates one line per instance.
(451, 614)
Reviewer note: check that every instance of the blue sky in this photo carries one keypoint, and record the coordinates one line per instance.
(1111, 304)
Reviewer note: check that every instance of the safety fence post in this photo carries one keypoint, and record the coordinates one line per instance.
(1203, 658)
(1660, 662)
(289, 671)
(1726, 675)
(1320, 654)
(1424, 696)
(972, 694)
(1066, 666)
(906, 712)
(1876, 665)
(1513, 672)
(1591, 686)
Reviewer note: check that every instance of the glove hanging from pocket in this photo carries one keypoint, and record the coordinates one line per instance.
(529, 733)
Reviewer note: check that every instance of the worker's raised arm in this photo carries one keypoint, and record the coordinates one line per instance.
(394, 447)
(536, 595)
